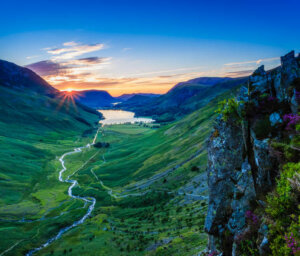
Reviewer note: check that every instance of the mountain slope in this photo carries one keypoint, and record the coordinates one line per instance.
(125, 97)
(183, 98)
(142, 161)
(94, 98)
(31, 123)
(16, 77)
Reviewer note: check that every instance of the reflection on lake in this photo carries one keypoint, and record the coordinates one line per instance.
(121, 117)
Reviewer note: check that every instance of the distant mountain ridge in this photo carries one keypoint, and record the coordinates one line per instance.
(183, 98)
(203, 81)
(94, 98)
(125, 97)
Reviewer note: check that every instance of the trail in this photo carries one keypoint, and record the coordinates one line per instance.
(87, 200)
(12, 247)
(144, 184)
(91, 200)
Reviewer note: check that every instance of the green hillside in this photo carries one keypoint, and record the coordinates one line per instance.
(150, 183)
(182, 99)
(143, 184)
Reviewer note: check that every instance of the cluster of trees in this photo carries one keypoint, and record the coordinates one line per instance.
(101, 145)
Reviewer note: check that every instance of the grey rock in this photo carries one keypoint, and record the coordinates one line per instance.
(240, 166)
(275, 119)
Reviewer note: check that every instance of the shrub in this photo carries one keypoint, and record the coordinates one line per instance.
(195, 169)
(283, 212)
(101, 145)
(229, 110)
(262, 127)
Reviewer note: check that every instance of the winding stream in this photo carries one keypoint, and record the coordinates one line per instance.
(90, 200)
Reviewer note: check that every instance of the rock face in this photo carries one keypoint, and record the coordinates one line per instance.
(240, 165)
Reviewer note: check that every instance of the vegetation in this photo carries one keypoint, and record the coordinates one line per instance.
(149, 220)
(229, 109)
(283, 211)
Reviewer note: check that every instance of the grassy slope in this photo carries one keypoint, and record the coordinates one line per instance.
(140, 225)
(34, 130)
(180, 100)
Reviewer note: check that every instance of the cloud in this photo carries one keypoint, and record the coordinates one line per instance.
(240, 73)
(88, 61)
(32, 57)
(166, 71)
(65, 66)
(71, 70)
(72, 43)
(46, 68)
(257, 62)
(126, 49)
(72, 50)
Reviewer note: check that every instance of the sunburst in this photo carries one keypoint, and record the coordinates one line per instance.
(68, 98)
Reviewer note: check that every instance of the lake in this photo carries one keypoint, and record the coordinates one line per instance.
(122, 117)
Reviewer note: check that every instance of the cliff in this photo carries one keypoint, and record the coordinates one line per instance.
(243, 161)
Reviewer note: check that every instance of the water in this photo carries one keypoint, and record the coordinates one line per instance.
(122, 117)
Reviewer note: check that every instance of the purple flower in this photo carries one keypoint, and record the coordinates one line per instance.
(291, 120)
(251, 217)
(297, 94)
(292, 244)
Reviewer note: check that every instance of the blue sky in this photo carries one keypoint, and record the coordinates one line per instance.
(145, 46)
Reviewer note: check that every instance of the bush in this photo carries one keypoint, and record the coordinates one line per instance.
(262, 127)
(229, 110)
(101, 145)
(195, 169)
(283, 211)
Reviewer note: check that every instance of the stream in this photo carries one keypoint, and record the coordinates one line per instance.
(87, 200)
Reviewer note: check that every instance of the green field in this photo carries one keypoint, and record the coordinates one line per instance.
(142, 184)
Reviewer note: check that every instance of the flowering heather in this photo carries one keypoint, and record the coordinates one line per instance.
(272, 99)
(298, 96)
(292, 244)
(252, 217)
(291, 120)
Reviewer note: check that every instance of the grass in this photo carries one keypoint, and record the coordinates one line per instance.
(160, 222)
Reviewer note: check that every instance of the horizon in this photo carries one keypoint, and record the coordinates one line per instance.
(148, 48)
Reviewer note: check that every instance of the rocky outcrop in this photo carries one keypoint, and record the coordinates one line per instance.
(241, 167)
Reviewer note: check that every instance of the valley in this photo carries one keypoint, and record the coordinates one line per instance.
(76, 180)
(138, 183)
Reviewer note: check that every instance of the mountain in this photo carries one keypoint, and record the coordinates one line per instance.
(183, 98)
(204, 81)
(141, 162)
(20, 78)
(253, 166)
(31, 124)
(94, 98)
(137, 101)
(125, 97)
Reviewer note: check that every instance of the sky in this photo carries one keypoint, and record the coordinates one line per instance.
(126, 46)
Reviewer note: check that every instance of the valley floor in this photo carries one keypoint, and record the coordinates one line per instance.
(149, 186)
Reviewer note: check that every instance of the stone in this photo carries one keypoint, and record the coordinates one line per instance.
(275, 119)
(259, 81)
(240, 166)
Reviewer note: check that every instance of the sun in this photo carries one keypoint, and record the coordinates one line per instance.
(69, 90)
